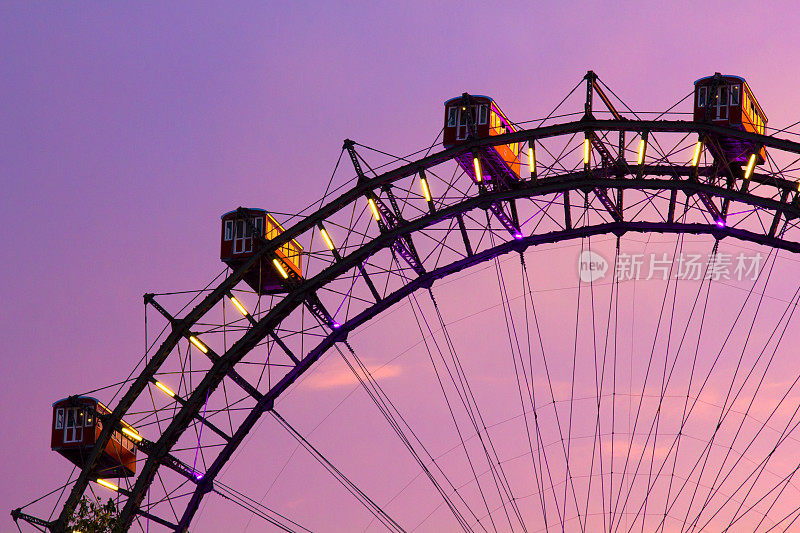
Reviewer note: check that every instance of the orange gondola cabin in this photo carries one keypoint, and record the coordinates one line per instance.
(238, 245)
(728, 101)
(76, 427)
(474, 117)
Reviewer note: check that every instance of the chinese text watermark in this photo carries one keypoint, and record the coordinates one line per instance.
(687, 266)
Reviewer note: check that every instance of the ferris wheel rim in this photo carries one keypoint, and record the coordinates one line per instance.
(295, 298)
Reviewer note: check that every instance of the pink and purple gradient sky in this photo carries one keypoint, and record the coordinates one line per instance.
(126, 129)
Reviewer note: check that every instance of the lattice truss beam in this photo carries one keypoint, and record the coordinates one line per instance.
(213, 371)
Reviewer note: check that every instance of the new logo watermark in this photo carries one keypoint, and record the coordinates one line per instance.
(592, 266)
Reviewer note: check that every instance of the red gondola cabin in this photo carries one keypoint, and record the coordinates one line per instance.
(238, 245)
(473, 116)
(76, 426)
(728, 101)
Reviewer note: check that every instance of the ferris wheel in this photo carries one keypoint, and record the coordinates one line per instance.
(598, 307)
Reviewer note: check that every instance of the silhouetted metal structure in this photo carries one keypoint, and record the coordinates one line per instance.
(702, 176)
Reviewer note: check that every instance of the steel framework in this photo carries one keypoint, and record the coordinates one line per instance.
(375, 260)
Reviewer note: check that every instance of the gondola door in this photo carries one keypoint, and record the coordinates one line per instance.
(242, 239)
(721, 103)
(463, 128)
(73, 426)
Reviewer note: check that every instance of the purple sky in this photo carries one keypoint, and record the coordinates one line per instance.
(126, 130)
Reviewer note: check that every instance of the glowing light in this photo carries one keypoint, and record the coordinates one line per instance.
(750, 166)
(327, 238)
(587, 151)
(478, 173)
(640, 156)
(132, 434)
(165, 389)
(425, 190)
(531, 157)
(518, 235)
(698, 149)
(280, 269)
(375, 213)
(200, 346)
(107, 484)
(721, 223)
(335, 325)
(238, 305)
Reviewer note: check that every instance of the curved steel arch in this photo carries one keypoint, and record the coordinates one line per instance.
(577, 181)
(259, 332)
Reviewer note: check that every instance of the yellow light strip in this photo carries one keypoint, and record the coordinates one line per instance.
(640, 156)
(374, 208)
(200, 346)
(238, 305)
(280, 268)
(425, 190)
(698, 149)
(750, 166)
(531, 157)
(107, 484)
(587, 151)
(132, 434)
(165, 389)
(327, 238)
(478, 174)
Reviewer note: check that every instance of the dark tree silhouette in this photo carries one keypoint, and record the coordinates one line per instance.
(94, 516)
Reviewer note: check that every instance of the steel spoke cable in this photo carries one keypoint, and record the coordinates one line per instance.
(476, 419)
(723, 412)
(568, 478)
(447, 401)
(550, 390)
(599, 384)
(784, 482)
(639, 408)
(793, 306)
(679, 246)
(475, 416)
(351, 487)
(385, 406)
(60, 489)
(256, 512)
(696, 398)
(678, 249)
(614, 288)
(541, 449)
(686, 413)
(256, 507)
(787, 516)
(664, 382)
(531, 387)
(298, 446)
(560, 103)
(761, 466)
(513, 339)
